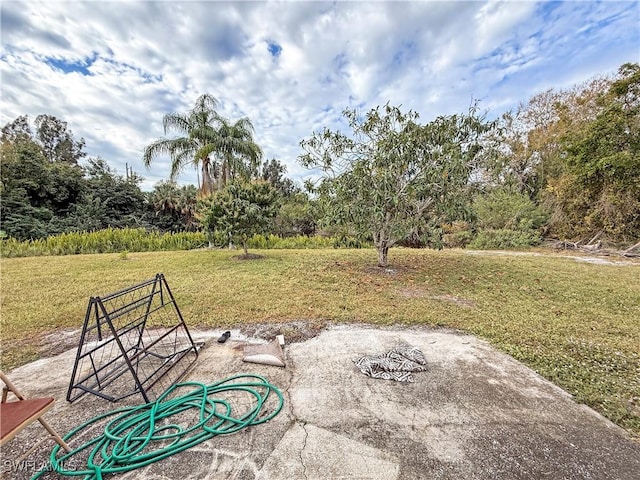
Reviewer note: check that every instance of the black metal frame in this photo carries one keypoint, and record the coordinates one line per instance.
(119, 337)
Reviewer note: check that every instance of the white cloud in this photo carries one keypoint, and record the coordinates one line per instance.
(150, 58)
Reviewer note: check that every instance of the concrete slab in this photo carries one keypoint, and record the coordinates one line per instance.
(475, 413)
(324, 454)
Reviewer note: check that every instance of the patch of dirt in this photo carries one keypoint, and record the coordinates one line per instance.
(416, 292)
(55, 343)
(390, 271)
(462, 302)
(413, 292)
(294, 332)
(248, 256)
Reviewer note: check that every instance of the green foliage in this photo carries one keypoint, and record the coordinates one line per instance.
(240, 211)
(503, 209)
(504, 239)
(128, 240)
(45, 192)
(222, 149)
(58, 144)
(273, 171)
(507, 220)
(110, 201)
(174, 208)
(110, 240)
(296, 216)
(598, 188)
(456, 235)
(264, 242)
(393, 177)
(35, 192)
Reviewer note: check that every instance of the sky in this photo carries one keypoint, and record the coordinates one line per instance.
(112, 70)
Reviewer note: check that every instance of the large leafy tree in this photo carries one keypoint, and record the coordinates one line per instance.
(58, 144)
(393, 176)
(531, 135)
(240, 211)
(222, 149)
(273, 171)
(296, 215)
(38, 191)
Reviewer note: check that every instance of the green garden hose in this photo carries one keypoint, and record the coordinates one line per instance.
(142, 434)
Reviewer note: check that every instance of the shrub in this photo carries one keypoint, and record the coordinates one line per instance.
(456, 235)
(501, 209)
(110, 240)
(138, 240)
(505, 239)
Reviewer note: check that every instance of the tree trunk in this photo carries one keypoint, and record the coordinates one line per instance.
(382, 240)
(383, 252)
(207, 182)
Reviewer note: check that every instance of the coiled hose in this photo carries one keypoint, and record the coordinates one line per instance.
(142, 434)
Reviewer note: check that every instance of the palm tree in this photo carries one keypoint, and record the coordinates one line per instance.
(240, 155)
(199, 129)
(222, 149)
(164, 198)
(187, 205)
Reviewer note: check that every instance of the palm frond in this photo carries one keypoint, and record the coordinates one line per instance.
(177, 122)
(159, 147)
(205, 103)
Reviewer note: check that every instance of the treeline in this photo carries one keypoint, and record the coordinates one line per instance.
(49, 188)
(571, 160)
(563, 165)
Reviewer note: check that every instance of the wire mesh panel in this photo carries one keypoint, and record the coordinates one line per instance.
(133, 341)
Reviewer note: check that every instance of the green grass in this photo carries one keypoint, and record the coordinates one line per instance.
(577, 324)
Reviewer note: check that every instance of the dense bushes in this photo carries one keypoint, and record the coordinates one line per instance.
(109, 240)
(504, 239)
(113, 240)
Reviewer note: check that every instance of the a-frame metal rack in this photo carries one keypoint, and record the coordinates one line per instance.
(134, 341)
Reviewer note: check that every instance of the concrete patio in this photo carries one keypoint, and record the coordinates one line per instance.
(475, 413)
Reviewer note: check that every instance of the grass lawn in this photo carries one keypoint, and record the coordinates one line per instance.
(576, 323)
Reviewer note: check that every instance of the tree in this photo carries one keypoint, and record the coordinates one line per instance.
(197, 127)
(58, 144)
(273, 171)
(34, 192)
(240, 211)
(596, 188)
(110, 200)
(296, 216)
(240, 155)
(213, 143)
(45, 191)
(505, 209)
(174, 208)
(531, 136)
(18, 130)
(394, 176)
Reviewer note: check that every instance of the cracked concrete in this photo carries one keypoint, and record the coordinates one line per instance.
(475, 413)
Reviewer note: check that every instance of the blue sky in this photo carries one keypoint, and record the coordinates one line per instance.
(113, 69)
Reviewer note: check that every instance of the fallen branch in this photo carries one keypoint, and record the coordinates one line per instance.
(595, 238)
(629, 251)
